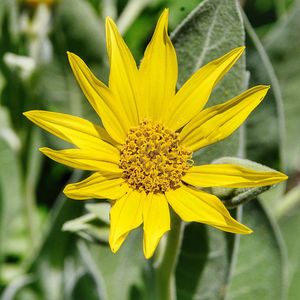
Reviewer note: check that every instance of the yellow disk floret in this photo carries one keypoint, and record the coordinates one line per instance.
(152, 159)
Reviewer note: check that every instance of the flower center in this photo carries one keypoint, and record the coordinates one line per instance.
(152, 159)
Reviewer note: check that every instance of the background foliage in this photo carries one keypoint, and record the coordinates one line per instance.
(53, 248)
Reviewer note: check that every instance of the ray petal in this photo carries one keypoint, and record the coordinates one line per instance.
(156, 217)
(158, 71)
(97, 186)
(75, 130)
(85, 159)
(125, 215)
(227, 175)
(101, 99)
(198, 206)
(218, 122)
(193, 95)
(123, 77)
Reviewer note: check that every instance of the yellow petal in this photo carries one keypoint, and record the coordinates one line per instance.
(198, 206)
(85, 160)
(158, 71)
(125, 215)
(101, 99)
(193, 95)
(75, 130)
(156, 219)
(218, 122)
(227, 175)
(97, 186)
(123, 77)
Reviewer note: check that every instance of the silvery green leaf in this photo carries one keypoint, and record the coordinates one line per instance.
(92, 226)
(260, 270)
(283, 46)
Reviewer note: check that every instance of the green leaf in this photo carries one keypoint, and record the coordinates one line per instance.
(123, 271)
(290, 227)
(56, 249)
(260, 266)
(80, 29)
(283, 46)
(265, 128)
(12, 222)
(203, 264)
(93, 226)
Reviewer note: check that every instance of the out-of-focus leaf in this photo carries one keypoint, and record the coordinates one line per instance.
(11, 291)
(92, 226)
(290, 226)
(204, 255)
(56, 248)
(11, 200)
(80, 29)
(7, 133)
(265, 135)
(260, 268)
(283, 47)
(92, 270)
(105, 268)
(211, 30)
(122, 272)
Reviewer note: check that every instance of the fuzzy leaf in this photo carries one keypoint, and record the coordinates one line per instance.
(260, 265)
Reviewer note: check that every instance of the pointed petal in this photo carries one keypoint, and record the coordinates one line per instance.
(156, 217)
(193, 95)
(101, 99)
(227, 175)
(123, 78)
(218, 122)
(97, 186)
(125, 215)
(158, 71)
(75, 130)
(85, 160)
(198, 206)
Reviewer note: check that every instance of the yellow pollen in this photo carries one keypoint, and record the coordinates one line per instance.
(152, 159)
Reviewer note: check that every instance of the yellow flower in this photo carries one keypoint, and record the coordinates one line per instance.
(142, 158)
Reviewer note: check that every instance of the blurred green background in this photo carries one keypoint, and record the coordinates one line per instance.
(40, 261)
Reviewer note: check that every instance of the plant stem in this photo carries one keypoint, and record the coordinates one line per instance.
(130, 13)
(290, 202)
(165, 269)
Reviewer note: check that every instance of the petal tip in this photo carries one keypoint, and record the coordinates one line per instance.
(109, 22)
(282, 176)
(44, 150)
(245, 230)
(238, 51)
(148, 255)
(166, 12)
(114, 246)
(67, 189)
(29, 114)
(70, 54)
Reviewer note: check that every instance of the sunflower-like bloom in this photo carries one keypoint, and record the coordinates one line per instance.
(142, 156)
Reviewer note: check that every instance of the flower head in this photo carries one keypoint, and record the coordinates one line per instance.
(142, 157)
